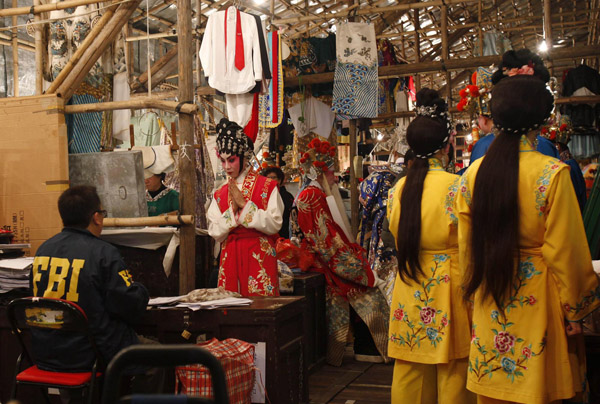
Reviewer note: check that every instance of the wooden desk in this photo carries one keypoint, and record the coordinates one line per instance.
(278, 321)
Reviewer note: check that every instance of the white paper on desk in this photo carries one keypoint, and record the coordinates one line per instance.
(16, 263)
(215, 304)
(260, 374)
(157, 301)
(596, 265)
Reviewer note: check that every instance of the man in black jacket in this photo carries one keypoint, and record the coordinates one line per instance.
(275, 173)
(76, 265)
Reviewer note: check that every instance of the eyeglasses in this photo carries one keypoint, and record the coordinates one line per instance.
(103, 212)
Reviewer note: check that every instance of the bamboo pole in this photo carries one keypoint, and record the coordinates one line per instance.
(170, 220)
(46, 7)
(479, 30)
(39, 52)
(168, 62)
(15, 52)
(451, 64)
(97, 48)
(21, 46)
(548, 31)
(129, 59)
(446, 52)
(64, 73)
(187, 171)
(197, 44)
(417, 25)
(169, 106)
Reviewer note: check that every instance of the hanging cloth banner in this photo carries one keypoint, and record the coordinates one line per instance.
(355, 90)
(271, 103)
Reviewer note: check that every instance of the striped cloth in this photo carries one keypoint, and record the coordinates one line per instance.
(237, 359)
(84, 130)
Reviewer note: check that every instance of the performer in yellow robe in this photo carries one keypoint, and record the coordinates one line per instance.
(429, 327)
(526, 303)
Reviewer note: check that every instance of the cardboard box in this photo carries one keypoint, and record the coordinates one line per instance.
(33, 166)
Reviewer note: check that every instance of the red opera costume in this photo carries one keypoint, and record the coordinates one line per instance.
(248, 253)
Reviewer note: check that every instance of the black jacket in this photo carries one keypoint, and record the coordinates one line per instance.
(288, 201)
(103, 289)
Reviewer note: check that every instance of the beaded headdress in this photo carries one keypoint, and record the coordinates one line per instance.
(232, 140)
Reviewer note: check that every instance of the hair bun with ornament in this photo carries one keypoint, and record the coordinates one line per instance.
(430, 130)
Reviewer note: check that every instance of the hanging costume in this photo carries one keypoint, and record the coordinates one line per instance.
(248, 263)
(165, 201)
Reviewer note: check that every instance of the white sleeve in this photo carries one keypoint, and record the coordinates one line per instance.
(206, 48)
(337, 217)
(219, 224)
(266, 221)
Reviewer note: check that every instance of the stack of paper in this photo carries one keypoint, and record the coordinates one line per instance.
(216, 304)
(14, 273)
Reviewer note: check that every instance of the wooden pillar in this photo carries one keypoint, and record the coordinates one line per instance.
(15, 52)
(39, 52)
(353, 179)
(446, 52)
(417, 26)
(548, 32)
(187, 161)
(479, 30)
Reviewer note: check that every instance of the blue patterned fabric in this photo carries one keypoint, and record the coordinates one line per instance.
(84, 130)
(355, 91)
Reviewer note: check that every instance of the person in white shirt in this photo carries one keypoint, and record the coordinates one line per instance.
(245, 217)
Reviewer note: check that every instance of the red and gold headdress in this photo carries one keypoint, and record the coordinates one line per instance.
(475, 97)
(319, 157)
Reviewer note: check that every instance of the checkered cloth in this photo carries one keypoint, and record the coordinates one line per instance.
(237, 359)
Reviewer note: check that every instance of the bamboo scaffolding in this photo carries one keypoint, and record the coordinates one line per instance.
(39, 52)
(164, 66)
(15, 52)
(169, 106)
(170, 220)
(370, 10)
(46, 7)
(548, 30)
(451, 64)
(187, 170)
(100, 43)
(20, 45)
(64, 73)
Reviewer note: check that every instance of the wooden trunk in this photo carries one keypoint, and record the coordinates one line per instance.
(278, 321)
(312, 287)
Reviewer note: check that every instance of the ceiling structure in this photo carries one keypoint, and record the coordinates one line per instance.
(519, 22)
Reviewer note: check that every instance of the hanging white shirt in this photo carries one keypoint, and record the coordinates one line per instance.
(266, 221)
(218, 60)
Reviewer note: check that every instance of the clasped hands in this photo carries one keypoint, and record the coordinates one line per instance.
(237, 199)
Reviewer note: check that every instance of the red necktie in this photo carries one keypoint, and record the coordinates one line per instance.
(239, 41)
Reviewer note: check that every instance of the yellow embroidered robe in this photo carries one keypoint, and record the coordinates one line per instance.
(428, 320)
(523, 357)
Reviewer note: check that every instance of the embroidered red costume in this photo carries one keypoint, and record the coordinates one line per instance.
(248, 262)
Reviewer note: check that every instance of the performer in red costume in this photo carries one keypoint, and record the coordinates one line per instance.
(245, 216)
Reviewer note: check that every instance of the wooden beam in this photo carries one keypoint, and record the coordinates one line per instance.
(7, 12)
(369, 10)
(169, 106)
(187, 165)
(15, 52)
(164, 66)
(39, 52)
(451, 64)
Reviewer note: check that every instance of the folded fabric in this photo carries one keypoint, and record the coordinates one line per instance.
(316, 117)
(205, 295)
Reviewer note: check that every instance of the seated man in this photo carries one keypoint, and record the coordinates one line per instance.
(76, 265)
(161, 200)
